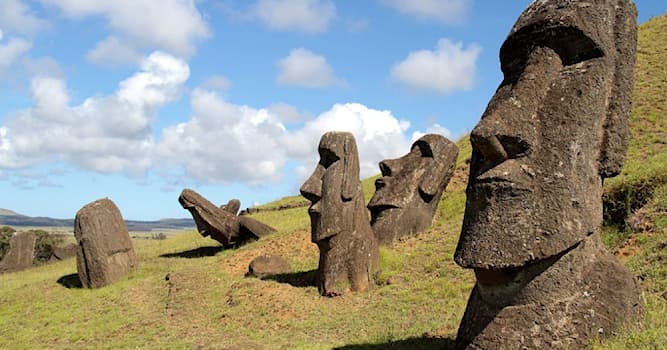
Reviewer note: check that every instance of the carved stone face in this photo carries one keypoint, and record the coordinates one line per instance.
(410, 188)
(552, 131)
(332, 186)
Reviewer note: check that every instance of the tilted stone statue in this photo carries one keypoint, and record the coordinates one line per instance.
(219, 222)
(407, 195)
(105, 252)
(21, 252)
(556, 127)
(339, 219)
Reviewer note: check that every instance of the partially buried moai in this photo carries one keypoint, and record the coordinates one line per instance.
(407, 195)
(105, 252)
(556, 127)
(21, 252)
(338, 218)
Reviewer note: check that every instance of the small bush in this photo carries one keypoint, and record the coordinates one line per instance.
(44, 246)
(6, 233)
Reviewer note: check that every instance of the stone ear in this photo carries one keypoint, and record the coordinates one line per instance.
(441, 170)
(616, 127)
(431, 182)
(350, 184)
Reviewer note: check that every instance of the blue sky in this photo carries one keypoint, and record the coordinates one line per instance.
(137, 99)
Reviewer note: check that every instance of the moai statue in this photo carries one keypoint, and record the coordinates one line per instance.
(556, 127)
(21, 252)
(105, 251)
(338, 218)
(219, 222)
(408, 193)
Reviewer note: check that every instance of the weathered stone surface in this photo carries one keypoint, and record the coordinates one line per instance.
(62, 253)
(408, 193)
(232, 206)
(254, 228)
(105, 252)
(557, 125)
(339, 220)
(223, 226)
(21, 252)
(266, 265)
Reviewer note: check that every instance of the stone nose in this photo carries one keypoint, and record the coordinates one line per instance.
(312, 188)
(496, 142)
(389, 167)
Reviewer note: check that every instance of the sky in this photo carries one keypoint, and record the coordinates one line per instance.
(137, 99)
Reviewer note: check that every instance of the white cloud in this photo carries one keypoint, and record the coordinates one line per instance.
(288, 113)
(444, 11)
(112, 51)
(307, 69)
(310, 16)
(15, 16)
(103, 134)
(170, 25)
(12, 50)
(224, 142)
(449, 68)
(379, 135)
(433, 129)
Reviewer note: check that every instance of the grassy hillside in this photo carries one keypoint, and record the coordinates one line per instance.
(418, 300)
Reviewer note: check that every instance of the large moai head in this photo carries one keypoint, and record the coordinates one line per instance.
(556, 127)
(334, 186)
(408, 193)
(339, 220)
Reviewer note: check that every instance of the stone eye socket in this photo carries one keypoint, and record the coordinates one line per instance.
(327, 158)
(424, 149)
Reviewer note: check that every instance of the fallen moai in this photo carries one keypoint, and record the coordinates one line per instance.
(220, 224)
(338, 218)
(556, 127)
(21, 252)
(105, 252)
(407, 195)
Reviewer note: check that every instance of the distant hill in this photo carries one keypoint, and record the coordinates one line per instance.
(5, 212)
(11, 218)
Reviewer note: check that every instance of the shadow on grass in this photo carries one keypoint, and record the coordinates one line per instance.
(407, 344)
(296, 279)
(195, 253)
(70, 281)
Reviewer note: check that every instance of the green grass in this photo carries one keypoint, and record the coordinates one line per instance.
(417, 303)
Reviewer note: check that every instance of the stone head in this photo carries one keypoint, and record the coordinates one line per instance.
(334, 187)
(556, 127)
(407, 194)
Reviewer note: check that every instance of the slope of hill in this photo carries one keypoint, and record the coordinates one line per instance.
(418, 300)
(6, 212)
